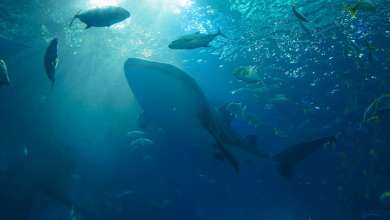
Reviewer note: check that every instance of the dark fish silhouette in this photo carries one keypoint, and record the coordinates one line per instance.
(50, 61)
(176, 103)
(102, 17)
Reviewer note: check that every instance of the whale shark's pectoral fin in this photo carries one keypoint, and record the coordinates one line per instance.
(143, 120)
(293, 155)
(225, 151)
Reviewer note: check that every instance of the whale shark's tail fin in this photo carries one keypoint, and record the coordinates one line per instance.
(293, 155)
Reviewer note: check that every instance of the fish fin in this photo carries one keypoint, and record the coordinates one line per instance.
(52, 84)
(88, 26)
(252, 139)
(207, 45)
(227, 117)
(197, 32)
(74, 18)
(220, 33)
(293, 155)
(352, 11)
(219, 156)
(143, 120)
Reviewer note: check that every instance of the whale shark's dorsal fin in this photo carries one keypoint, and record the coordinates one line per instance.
(143, 120)
(227, 117)
(252, 139)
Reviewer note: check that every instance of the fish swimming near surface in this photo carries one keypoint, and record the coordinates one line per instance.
(102, 17)
(173, 100)
(50, 61)
(248, 75)
(4, 79)
(362, 4)
(298, 14)
(193, 41)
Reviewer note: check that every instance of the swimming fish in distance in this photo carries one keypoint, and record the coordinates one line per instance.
(102, 17)
(298, 14)
(363, 4)
(50, 61)
(193, 41)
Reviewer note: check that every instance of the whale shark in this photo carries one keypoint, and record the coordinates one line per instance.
(171, 98)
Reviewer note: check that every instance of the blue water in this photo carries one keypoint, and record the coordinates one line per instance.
(68, 150)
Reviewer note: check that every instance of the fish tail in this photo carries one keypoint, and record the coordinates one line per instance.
(352, 11)
(74, 18)
(220, 33)
(293, 155)
(51, 87)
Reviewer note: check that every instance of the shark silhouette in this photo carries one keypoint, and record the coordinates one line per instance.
(174, 101)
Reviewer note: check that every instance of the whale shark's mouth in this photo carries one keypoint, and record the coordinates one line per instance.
(140, 63)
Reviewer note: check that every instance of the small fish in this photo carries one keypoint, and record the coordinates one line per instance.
(102, 17)
(303, 124)
(339, 136)
(326, 145)
(344, 74)
(298, 14)
(234, 108)
(136, 134)
(50, 61)
(4, 79)
(371, 55)
(248, 75)
(193, 41)
(385, 197)
(25, 152)
(252, 118)
(141, 141)
(325, 127)
(363, 4)
(119, 195)
(356, 47)
(371, 110)
(281, 133)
